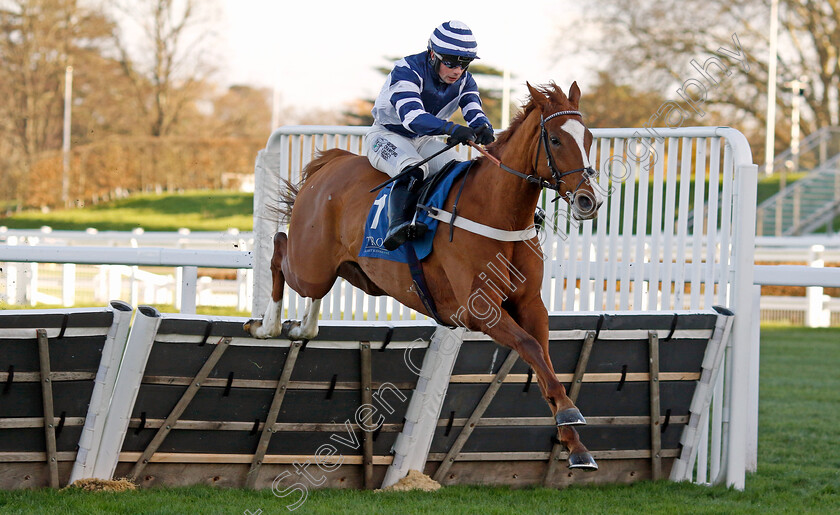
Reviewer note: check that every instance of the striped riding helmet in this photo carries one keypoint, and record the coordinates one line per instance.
(454, 38)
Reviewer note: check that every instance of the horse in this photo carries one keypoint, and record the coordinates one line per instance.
(546, 146)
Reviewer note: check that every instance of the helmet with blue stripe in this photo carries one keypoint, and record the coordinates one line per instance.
(454, 38)
(453, 44)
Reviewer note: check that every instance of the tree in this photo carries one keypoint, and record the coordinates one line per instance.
(243, 111)
(609, 104)
(175, 69)
(662, 44)
(38, 40)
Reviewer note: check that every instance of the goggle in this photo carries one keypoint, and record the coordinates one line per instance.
(454, 61)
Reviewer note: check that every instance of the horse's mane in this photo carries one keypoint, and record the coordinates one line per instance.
(556, 99)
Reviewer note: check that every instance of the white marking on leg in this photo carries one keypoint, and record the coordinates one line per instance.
(308, 327)
(272, 321)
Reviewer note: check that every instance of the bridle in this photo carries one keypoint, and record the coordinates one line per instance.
(557, 175)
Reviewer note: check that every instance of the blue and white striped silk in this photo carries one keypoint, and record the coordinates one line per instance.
(415, 102)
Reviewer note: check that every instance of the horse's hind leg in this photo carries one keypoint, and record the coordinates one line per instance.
(271, 323)
(307, 328)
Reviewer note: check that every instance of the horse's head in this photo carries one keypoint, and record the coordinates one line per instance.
(561, 153)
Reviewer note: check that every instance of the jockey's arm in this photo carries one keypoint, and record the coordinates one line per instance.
(470, 104)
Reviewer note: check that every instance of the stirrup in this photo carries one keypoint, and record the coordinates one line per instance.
(404, 232)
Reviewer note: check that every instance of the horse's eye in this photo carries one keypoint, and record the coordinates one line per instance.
(555, 141)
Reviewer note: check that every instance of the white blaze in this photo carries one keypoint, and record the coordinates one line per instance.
(577, 130)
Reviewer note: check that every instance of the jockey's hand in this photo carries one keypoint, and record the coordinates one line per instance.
(460, 135)
(484, 135)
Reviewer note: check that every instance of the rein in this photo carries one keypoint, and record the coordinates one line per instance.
(555, 173)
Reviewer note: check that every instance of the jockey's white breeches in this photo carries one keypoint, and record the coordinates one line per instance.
(391, 153)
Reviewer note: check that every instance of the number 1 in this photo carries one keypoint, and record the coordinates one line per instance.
(380, 204)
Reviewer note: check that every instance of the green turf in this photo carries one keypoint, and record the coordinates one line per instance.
(203, 210)
(798, 465)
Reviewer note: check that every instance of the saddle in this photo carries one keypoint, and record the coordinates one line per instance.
(434, 179)
(433, 194)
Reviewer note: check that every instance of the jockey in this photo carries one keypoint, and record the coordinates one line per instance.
(418, 97)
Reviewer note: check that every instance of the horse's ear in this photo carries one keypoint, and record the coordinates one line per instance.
(537, 96)
(574, 94)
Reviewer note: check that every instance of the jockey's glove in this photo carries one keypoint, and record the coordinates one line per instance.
(484, 135)
(461, 134)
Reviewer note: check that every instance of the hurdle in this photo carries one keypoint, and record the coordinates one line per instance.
(57, 370)
(197, 400)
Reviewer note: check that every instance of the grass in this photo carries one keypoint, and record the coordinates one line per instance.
(797, 465)
(201, 210)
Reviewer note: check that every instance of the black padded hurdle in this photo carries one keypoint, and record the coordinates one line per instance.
(216, 406)
(633, 376)
(199, 401)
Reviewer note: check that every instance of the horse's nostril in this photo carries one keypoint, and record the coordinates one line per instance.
(584, 203)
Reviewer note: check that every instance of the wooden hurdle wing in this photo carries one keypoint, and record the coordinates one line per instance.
(57, 371)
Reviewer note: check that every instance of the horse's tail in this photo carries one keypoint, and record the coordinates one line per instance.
(289, 191)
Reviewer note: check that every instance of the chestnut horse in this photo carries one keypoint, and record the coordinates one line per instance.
(547, 144)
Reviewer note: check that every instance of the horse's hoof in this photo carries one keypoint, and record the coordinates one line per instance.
(569, 417)
(582, 460)
(253, 327)
(286, 329)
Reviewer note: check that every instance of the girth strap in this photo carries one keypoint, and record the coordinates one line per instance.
(478, 228)
(420, 285)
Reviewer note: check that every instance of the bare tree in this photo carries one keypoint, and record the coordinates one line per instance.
(243, 111)
(609, 104)
(38, 40)
(170, 66)
(659, 45)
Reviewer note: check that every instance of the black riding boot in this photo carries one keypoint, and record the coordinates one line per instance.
(402, 204)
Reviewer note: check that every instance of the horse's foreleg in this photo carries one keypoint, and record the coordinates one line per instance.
(271, 323)
(532, 317)
(534, 352)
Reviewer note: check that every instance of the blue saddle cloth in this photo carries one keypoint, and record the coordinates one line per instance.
(376, 225)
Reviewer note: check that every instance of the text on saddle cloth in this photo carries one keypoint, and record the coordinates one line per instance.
(376, 225)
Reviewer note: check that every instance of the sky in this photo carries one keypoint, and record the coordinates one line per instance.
(324, 54)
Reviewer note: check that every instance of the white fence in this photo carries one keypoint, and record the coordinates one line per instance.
(62, 275)
(71, 284)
